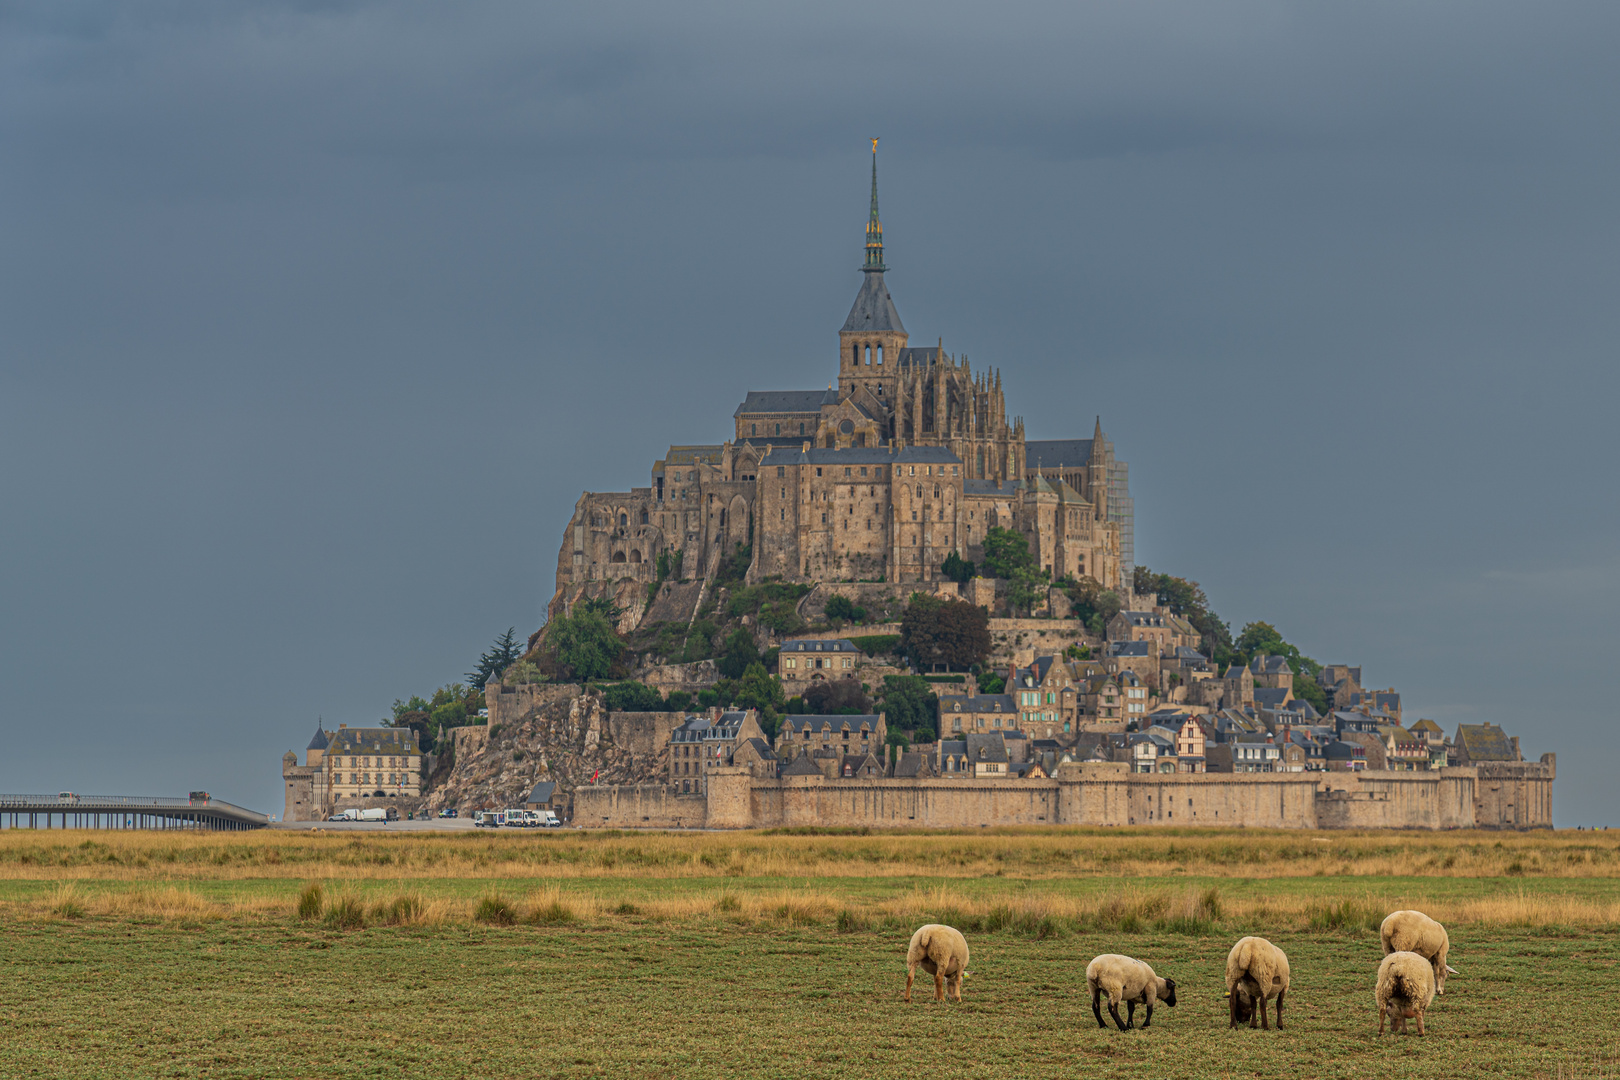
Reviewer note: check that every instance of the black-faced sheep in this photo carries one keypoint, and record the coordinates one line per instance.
(941, 951)
(1255, 970)
(1405, 989)
(1127, 980)
(1413, 931)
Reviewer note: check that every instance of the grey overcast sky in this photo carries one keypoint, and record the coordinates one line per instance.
(316, 318)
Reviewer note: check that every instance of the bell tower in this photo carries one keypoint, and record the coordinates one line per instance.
(869, 345)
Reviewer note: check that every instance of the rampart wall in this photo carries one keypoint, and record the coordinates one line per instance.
(1512, 795)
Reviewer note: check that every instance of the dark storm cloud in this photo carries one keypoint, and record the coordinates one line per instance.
(317, 317)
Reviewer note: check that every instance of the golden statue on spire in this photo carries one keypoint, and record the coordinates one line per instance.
(874, 144)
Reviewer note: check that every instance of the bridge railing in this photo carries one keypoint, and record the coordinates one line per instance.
(110, 803)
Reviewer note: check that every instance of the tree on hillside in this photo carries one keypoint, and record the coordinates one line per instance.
(632, 697)
(1261, 638)
(1005, 552)
(496, 659)
(585, 643)
(908, 702)
(837, 696)
(957, 569)
(1186, 598)
(1026, 588)
(740, 652)
(950, 632)
(841, 609)
(757, 689)
(1092, 604)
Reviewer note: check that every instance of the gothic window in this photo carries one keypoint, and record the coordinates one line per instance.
(936, 491)
(781, 471)
(624, 520)
(801, 427)
(919, 491)
(753, 429)
(779, 429)
(869, 355)
(880, 355)
(644, 517)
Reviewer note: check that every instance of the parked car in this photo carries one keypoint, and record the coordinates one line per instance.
(448, 811)
(339, 817)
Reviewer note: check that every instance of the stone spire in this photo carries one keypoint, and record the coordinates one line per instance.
(874, 227)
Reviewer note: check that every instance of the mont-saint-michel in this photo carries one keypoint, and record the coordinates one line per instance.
(880, 603)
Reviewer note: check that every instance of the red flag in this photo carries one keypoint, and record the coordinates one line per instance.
(595, 774)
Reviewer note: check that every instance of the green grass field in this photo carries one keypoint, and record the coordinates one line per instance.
(764, 975)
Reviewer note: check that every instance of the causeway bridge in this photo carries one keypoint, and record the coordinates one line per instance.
(67, 810)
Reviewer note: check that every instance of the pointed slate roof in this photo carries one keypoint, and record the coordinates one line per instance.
(874, 308)
(319, 742)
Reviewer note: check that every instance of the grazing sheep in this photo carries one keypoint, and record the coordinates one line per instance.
(941, 951)
(1413, 931)
(1127, 980)
(1255, 970)
(1405, 989)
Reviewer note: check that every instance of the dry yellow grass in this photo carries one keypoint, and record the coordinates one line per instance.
(1130, 907)
(1019, 854)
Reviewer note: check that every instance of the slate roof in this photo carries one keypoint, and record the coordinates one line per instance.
(786, 401)
(912, 764)
(319, 741)
(802, 766)
(542, 792)
(1270, 697)
(691, 455)
(874, 308)
(926, 356)
(1272, 665)
(762, 748)
(372, 741)
(987, 747)
(802, 723)
(860, 455)
(1130, 648)
(1005, 488)
(832, 645)
(977, 703)
(1057, 453)
(1485, 742)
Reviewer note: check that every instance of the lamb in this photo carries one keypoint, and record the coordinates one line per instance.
(1405, 989)
(941, 951)
(1413, 931)
(1255, 970)
(1127, 980)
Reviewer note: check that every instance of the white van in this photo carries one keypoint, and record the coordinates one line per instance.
(549, 820)
(376, 813)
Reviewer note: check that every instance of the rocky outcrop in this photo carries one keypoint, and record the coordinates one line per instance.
(568, 737)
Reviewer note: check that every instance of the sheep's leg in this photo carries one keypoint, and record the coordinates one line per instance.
(939, 987)
(1130, 1014)
(1280, 994)
(911, 973)
(1261, 1005)
(1096, 1007)
(1148, 1019)
(1113, 1010)
(1231, 1008)
(1420, 1023)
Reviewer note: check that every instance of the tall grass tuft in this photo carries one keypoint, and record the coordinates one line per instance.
(496, 910)
(549, 908)
(402, 909)
(310, 901)
(346, 911)
(1349, 914)
(66, 902)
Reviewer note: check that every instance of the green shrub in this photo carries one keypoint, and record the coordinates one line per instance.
(874, 644)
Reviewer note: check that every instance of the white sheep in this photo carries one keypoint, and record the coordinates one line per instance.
(1255, 970)
(1127, 980)
(1413, 931)
(941, 951)
(1405, 989)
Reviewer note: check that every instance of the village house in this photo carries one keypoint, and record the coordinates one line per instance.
(960, 713)
(837, 735)
(707, 742)
(802, 661)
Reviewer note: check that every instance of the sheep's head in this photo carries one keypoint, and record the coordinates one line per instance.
(1440, 973)
(1245, 1005)
(1169, 995)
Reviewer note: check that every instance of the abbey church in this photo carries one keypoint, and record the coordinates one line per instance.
(910, 458)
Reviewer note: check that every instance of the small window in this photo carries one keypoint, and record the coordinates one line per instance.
(781, 470)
